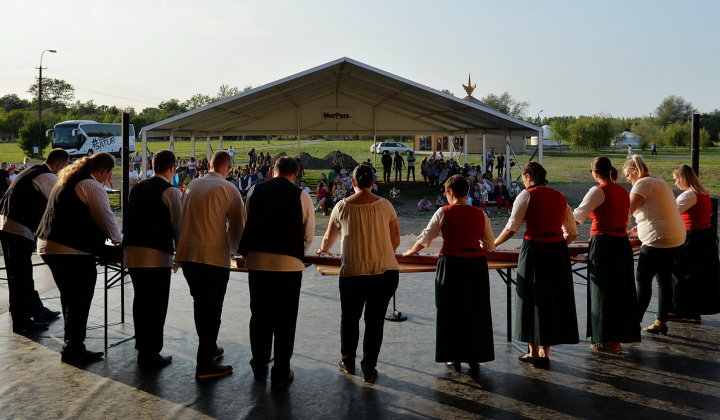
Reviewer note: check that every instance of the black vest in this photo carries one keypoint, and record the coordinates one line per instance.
(148, 218)
(22, 203)
(67, 221)
(275, 220)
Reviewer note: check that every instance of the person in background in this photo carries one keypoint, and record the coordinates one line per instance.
(439, 202)
(661, 231)
(490, 161)
(411, 166)
(629, 152)
(696, 286)
(4, 179)
(484, 198)
(424, 166)
(20, 213)
(275, 267)
(322, 193)
(500, 164)
(612, 312)
(304, 187)
(386, 160)
(369, 272)
(212, 210)
(425, 204)
(338, 191)
(137, 161)
(71, 235)
(514, 191)
(502, 196)
(244, 182)
(191, 168)
(252, 157)
(545, 301)
(654, 149)
(152, 232)
(231, 153)
(464, 332)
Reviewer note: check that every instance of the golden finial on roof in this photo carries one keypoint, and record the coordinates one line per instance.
(469, 88)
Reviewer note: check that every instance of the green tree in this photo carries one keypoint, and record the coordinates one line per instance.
(28, 136)
(10, 123)
(711, 122)
(560, 132)
(448, 92)
(705, 140)
(12, 101)
(677, 134)
(506, 104)
(648, 131)
(673, 109)
(56, 92)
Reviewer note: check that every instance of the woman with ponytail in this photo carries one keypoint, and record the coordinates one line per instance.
(696, 287)
(662, 232)
(545, 302)
(612, 310)
(72, 233)
(368, 226)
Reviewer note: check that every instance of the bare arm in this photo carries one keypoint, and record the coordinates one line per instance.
(636, 200)
(329, 239)
(504, 236)
(394, 233)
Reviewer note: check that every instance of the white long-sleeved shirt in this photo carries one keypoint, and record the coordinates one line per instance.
(43, 183)
(213, 221)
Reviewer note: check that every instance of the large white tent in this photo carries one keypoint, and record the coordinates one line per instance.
(340, 97)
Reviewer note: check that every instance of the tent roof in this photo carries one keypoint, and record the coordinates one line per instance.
(341, 97)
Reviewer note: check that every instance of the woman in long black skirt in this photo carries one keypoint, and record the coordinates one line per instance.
(462, 285)
(545, 302)
(695, 276)
(612, 307)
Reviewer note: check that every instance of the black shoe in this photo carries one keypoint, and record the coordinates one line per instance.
(345, 368)
(213, 371)
(284, 382)
(153, 362)
(220, 352)
(82, 356)
(46, 315)
(657, 329)
(453, 365)
(370, 376)
(29, 326)
(474, 368)
(538, 362)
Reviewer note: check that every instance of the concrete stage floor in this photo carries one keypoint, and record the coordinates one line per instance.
(677, 376)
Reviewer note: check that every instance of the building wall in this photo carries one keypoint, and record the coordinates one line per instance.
(475, 144)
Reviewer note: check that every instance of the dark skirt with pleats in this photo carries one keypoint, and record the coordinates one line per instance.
(545, 302)
(464, 331)
(612, 298)
(696, 281)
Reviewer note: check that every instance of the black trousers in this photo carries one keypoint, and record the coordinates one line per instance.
(152, 293)
(398, 173)
(208, 284)
(24, 300)
(274, 300)
(373, 293)
(410, 169)
(657, 263)
(386, 173)
(75, 277)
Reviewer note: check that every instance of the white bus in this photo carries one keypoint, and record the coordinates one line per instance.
(83, 138)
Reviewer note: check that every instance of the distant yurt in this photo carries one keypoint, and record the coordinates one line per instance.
(547, 133)
(627, 138)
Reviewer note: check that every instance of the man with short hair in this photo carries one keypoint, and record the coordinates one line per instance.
(274, 259)
(213, 221)
(21, 209)
(152, 231)
(231, 152)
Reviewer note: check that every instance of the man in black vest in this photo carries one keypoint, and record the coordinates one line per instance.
(274, 259)
(21, 209)
(152, 230)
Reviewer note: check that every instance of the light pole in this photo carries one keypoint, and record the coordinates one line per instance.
(40, 132)
(538, 119)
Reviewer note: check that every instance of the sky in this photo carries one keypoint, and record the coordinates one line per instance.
(618, 58)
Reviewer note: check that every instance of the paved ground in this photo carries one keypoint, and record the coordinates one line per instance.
(677, 376)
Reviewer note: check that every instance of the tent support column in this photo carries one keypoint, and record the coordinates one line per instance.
(192, 144)
(484, 153)
(220, 146)
(144, 155)
(506, 171)
(375, 136)
(540, 147)
(465, 149)
(172, 141)
(208, 155)
(298, 132)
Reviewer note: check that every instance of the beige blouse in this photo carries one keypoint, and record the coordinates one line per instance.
(365, 247)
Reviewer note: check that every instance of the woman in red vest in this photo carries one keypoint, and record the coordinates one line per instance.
(695, 276)
(612, 310)
(462, 285)
(545, 303)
